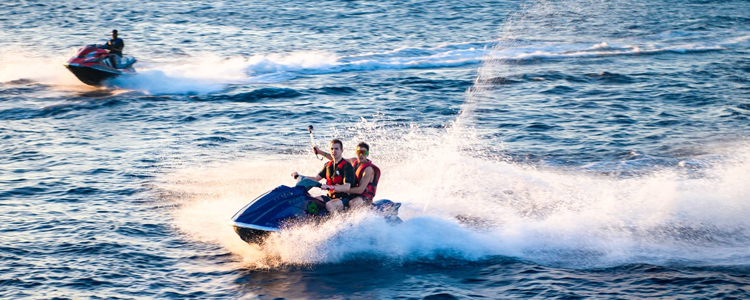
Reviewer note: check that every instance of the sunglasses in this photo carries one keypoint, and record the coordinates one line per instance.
(362, 152)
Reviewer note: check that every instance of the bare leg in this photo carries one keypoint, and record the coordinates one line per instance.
(357, 202)
(335, 205)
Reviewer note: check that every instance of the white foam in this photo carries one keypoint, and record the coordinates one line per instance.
(209, 73)
(158, 82)
(543, 215)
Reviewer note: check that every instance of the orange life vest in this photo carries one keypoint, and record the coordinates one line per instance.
(372, 187)
(332, 176)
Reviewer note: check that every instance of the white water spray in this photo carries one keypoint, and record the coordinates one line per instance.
(462, 203)
(465, 207)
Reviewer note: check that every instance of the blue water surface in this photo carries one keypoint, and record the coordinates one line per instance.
(541, 150)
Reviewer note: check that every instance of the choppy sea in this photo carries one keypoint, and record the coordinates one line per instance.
(574, 149)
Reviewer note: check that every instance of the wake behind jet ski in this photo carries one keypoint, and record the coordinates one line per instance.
(96, 63)
(285, 205)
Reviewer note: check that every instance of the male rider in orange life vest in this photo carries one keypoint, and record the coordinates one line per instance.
(339, 176)
(366, 176)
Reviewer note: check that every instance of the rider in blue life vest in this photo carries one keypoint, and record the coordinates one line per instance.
(366, 176)
(115, 46)
(339, 176)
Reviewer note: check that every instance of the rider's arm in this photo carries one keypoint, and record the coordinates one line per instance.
(352, 160)
(324, 154)
(342, 187)
(316, 177)
(366, 179)
(348, 179)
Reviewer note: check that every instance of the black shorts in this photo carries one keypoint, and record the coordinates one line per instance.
(343, 200)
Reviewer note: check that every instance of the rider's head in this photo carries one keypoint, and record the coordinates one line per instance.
(114, 34)
(362, 150)
(337, 148)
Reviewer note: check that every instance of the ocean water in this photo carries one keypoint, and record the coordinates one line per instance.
(568, 149)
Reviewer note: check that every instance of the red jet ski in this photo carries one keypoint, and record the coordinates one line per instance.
(92, 65)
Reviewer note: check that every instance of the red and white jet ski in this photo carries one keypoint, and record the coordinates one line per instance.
(92, 65)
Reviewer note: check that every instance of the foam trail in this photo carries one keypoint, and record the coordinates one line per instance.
(211, 67)
(511, 48)
(312, 62)
(204, 74)
(209, 73)
(157, 82)
(300, 62)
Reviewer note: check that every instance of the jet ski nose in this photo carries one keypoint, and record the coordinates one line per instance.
(386, 207)
(249, 235)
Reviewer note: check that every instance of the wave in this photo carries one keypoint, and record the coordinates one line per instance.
(53, 109)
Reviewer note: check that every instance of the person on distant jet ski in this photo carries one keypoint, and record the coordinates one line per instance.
(115, 46)
(339, 175)
(366, 176)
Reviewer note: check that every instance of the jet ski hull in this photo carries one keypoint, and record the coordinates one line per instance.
(252, 235)
(92, 65)
(270, 212)
(92, 75)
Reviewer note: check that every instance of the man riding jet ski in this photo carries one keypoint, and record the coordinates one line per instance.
(115, 46)
(94, 64)
(284, 205)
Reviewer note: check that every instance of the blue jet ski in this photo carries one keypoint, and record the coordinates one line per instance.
(285, 205)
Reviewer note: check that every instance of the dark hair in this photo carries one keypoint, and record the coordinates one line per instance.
(364, 145)
(114, 31)
(337, 141)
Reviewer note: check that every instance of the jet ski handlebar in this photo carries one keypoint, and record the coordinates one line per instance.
(306, 182)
